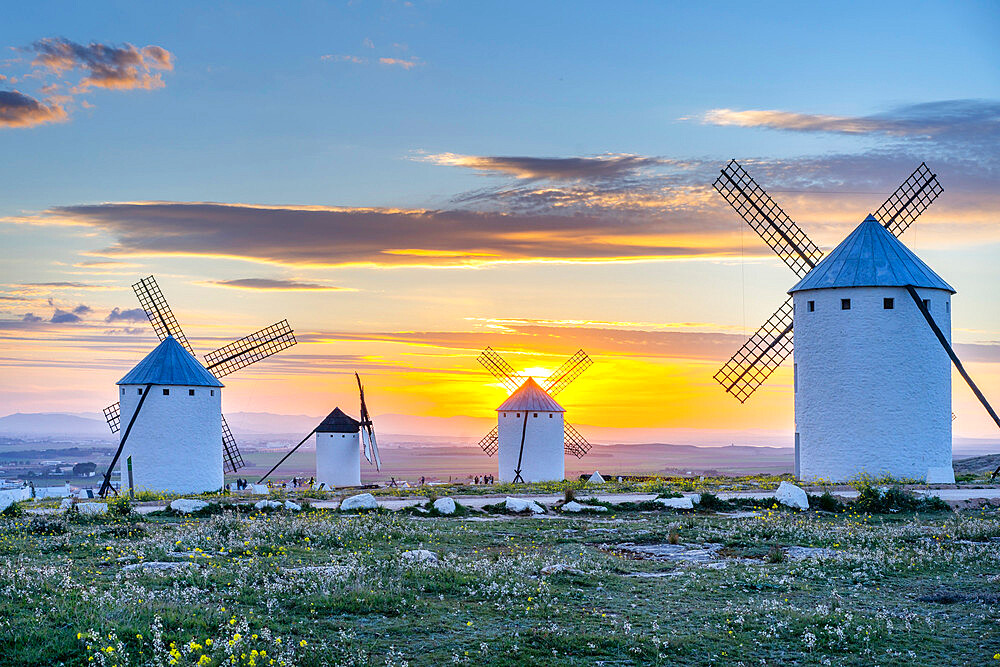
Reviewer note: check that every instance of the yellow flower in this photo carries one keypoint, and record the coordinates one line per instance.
(302, 643)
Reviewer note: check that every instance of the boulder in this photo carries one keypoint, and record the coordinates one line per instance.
(91, 509)
(267, 505)
(684, 503)
(420, 556)
(596, 478)
(556, 568)
(940, 475)
(259, 489)
(66, 503)
(187, 505)
(695, 498)
(445, 505)
(295, 507)
(792, 496)
(518, 505)
(362, 501)
(573, 506)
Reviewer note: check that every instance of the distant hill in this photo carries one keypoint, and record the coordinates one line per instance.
(53, 424)
(977, 464)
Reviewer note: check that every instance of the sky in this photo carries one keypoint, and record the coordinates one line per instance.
(410, 182)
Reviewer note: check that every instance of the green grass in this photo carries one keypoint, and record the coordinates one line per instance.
(323, 588)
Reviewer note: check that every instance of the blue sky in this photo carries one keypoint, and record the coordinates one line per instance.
(407, 182)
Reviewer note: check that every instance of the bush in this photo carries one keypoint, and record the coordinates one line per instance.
(569, 495)
(873, 500)
(710, 501)
(14, 509)
(45, 526)
(826, 502)
(120, 506)
(775, 554)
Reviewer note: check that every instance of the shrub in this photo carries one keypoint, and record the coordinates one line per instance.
(775, 554)
(674, 537)
(44, 526)
(874, 500)
(826, 502)
(120, 506)
(14, 509)
(710, 501)
(569, 495)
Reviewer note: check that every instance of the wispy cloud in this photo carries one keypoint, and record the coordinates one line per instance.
(967, 119)
(274, 284)
(126, 315)
(405, 63)
(124, 67)
(600, 167)
(20, 110)
(334, 58)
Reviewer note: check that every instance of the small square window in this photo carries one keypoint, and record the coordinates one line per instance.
(927, 304)
(166, 392)
(190, 392)
(123, 391)
(139, 391)
(536, 415)
(947, 306)
(811, 306)
(888, 303)
(550, 415)
(213, 392)
(845, 304)
(517, 414)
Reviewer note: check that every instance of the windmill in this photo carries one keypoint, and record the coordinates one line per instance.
(226, 360)
(340, 440)
(763, 352)
(527, 397)
(872, 391)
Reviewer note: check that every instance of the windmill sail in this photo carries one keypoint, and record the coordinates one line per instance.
(500, 369)
(250, 349)
(754, 362)
(573, 442)
(569, 371)
(158, 311)
(909, 200)
(368, 430)
(766, 218)
(491, 442)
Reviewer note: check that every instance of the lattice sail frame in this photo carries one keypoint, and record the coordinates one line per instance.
(232, 460)
(573, 442)
(159, 313)
(909, 200)
(250, 349)
(765, 217)
(771, 344)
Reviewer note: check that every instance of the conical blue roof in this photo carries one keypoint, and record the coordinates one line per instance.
(170, 364)
(530, 397)
(338, 422)
(871, 257)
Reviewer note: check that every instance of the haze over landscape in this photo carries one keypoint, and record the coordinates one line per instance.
(408, 184)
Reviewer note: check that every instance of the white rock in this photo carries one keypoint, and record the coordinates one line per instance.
(555, 568)
(596, 478)
(66, 503)
(91, 509)
(792, 496)
(940, 475)
(155, 565)
(267, 505)
(684, 503)
(420, 556)
(259, 489)
(695, 498)
(518, 505)
(187, 505)
(445, 505)
(295, 507)
(362, 501)
(573, 506)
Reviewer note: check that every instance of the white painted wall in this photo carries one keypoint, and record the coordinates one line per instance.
(544, 453)
(338, 459)
(176, 442)
(872, 386)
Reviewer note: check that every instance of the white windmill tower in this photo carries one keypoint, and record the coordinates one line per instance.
(173, 408)
(872, 391)
(532, 436)
(340, 440)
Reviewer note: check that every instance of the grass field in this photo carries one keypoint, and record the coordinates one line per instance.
(323, 588)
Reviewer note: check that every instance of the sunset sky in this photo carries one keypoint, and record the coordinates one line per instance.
(409, 182)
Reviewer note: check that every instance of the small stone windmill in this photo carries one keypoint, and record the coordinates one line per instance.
(872, 389)
(531, 435)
